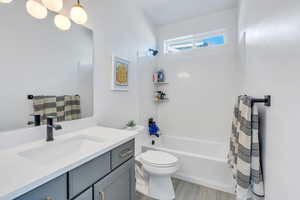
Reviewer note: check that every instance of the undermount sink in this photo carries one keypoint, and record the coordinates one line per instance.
(58, 151)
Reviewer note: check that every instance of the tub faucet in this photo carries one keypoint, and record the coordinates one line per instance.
(50, 127)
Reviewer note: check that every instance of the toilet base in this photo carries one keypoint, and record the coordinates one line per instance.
(161, 187)
(156, 187)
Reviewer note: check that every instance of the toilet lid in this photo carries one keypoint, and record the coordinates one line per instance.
(159, 159)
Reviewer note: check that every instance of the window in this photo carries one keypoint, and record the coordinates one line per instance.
(191, 42)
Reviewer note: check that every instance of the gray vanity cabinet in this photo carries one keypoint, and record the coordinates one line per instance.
(118, 185)
(86, 175)
(53, 190)
(110, 176)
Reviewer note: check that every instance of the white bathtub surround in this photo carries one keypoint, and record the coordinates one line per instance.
(201, 162)
(202, 83)
(27, 167)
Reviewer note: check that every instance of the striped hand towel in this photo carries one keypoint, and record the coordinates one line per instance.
(44, 106)
(72, 107)
(244, 154)
(60, 107)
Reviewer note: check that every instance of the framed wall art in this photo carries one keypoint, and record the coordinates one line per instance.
(120, 74)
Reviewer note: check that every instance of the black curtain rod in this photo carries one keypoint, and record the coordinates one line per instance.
(266, 101)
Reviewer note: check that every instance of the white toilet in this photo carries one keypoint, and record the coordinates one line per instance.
(153, 169)
(153, 174)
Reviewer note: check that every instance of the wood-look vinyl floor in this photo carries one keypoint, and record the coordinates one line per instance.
(189, 191)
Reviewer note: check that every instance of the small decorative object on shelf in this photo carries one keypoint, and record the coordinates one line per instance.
(131, 124)
(159, 76)
(161, 96)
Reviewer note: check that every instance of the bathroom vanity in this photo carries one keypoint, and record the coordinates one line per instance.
(102, 168)
(109, 176)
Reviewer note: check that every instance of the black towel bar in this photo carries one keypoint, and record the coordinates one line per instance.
(266, 101)
(31, 96)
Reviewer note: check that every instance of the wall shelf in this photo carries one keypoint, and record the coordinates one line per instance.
(160, 86)
(161, 100)
(160, 83)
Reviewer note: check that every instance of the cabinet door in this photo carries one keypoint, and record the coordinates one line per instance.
(86, 175)
(87, 195)
(119, 185)
(54, 190)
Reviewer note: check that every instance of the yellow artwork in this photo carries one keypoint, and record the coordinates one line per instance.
(120, 74)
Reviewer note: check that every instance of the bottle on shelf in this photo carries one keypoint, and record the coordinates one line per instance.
(159, 76)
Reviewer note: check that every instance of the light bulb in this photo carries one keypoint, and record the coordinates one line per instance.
(36, 9)
(5, 1)
(78, 14)
(53, 5)
(62, 22)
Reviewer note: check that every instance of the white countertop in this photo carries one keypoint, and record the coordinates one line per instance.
(19, 174)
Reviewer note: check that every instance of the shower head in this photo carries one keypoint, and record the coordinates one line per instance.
(154, 52)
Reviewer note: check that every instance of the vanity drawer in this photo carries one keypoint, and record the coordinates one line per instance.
(122, 153)
(87, 195)
(84, 176)
(53, 190)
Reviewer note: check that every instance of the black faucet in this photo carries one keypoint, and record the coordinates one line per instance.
(50, 127)
(36, 121)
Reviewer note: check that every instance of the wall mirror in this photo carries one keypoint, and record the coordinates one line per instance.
(44, 70)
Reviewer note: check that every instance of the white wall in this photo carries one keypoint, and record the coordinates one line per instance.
(120, 29)
(37, 58)
(203, 83)
(272, 67)
(147, 106)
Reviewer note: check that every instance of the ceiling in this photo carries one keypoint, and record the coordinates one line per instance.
(163, 12)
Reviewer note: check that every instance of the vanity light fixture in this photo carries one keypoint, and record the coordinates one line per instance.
(78, 13)
(53, 5)
(62, 22)
(39, 9)
(36, 9)
(5, 1)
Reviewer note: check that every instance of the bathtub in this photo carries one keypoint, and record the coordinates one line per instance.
(201, 162)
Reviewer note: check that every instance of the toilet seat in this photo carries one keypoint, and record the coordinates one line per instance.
(158, 159)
